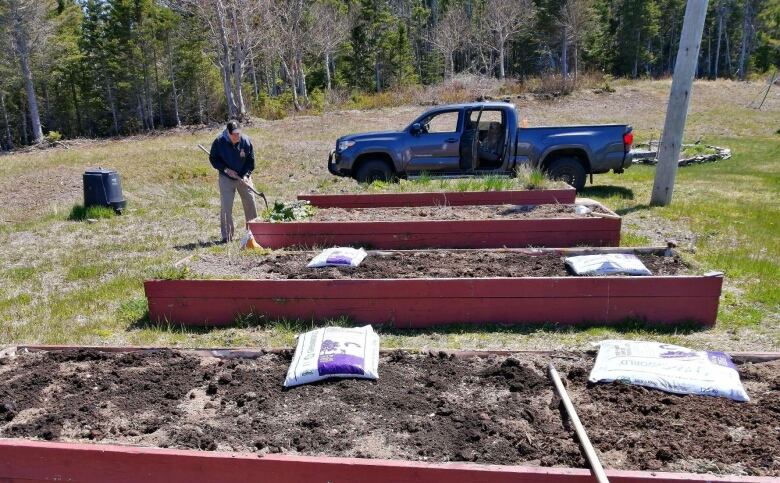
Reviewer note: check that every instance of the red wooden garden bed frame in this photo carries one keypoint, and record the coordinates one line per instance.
(36, 461)
(31, 461)
(427, 302)
(601, 230)
(451, 198)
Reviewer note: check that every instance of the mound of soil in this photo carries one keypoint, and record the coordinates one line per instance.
(411, 264)
(499, 410)
(440, 213)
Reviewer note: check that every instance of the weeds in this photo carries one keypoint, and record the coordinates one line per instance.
(81, 213)
(173, 273)
(691, 150)
(496, 183)
(532, 178)
(186, 173)
(20, 274)
(86, 272)
(133, 311)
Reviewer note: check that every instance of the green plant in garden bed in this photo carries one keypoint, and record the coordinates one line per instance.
(280, 211)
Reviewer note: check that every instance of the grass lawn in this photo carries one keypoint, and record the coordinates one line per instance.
(65, 281)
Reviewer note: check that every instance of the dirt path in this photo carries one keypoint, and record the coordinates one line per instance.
(420, 264)
(428, 408)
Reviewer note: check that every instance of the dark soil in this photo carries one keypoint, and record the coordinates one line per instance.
(495, 410)
(413, 264)
(478, 212)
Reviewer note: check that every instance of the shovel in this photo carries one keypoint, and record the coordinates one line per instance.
(258, 193)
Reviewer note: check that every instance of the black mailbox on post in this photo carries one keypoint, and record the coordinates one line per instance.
(102, 187)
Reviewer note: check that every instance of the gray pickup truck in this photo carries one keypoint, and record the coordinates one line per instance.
(482, 138)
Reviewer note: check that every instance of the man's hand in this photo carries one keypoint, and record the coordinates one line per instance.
(232, 174)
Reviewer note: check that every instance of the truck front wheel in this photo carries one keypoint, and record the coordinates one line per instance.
(373, 170)
(568, 170)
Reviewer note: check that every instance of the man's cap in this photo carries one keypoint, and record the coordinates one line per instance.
(233, 127)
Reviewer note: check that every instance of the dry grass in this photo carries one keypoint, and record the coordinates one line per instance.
(75, 282)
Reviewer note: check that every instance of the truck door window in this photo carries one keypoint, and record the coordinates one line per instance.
(445, 122)
(488, 116)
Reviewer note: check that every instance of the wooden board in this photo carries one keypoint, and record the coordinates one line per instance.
(38, 461)
(421, 303)
(255, 352)
(376, 200)
(552, 232)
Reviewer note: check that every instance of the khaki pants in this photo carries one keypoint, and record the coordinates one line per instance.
(227, 193)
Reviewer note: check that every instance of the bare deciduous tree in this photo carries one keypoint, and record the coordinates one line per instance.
(722, 13)
(330, 28)
(27, 24)
(505, 19)
(576, 18)
(8, 143)
(451, 33)
(235, 33)
(748, 32)
(288, 22)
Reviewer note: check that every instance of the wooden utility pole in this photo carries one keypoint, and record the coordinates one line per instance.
(679, 98)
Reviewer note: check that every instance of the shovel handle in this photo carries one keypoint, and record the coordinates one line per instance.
(258, 193)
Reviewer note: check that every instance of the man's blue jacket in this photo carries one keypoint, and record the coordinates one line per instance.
(238, 157)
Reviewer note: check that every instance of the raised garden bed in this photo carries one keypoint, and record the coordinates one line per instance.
(446, 198)
(481, 226)
(428, 288)
(222, 415)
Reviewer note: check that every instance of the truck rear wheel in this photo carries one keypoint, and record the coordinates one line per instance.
(374, 170)
(569, 170)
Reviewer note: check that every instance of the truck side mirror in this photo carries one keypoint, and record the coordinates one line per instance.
(416, 128)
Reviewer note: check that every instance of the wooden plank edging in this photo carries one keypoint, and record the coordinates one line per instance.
(600, 230)
(38, 461)
(446, 198)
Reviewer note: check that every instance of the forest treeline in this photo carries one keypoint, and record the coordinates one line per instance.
(113, 67)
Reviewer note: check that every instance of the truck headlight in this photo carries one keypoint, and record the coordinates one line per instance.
(344, 145)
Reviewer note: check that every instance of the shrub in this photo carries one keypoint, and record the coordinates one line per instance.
(52, 137)
(317, 101)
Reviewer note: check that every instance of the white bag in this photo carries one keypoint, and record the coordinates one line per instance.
(248, 241)
(607, 264)
(334, 352)
(667, 367)
(582, 210)
(338, 257)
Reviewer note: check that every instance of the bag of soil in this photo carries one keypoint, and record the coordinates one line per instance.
(338, 257)
(667, 367)
(334, 352)
(607, 264)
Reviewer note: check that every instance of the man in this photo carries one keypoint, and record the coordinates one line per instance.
(233, 156)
